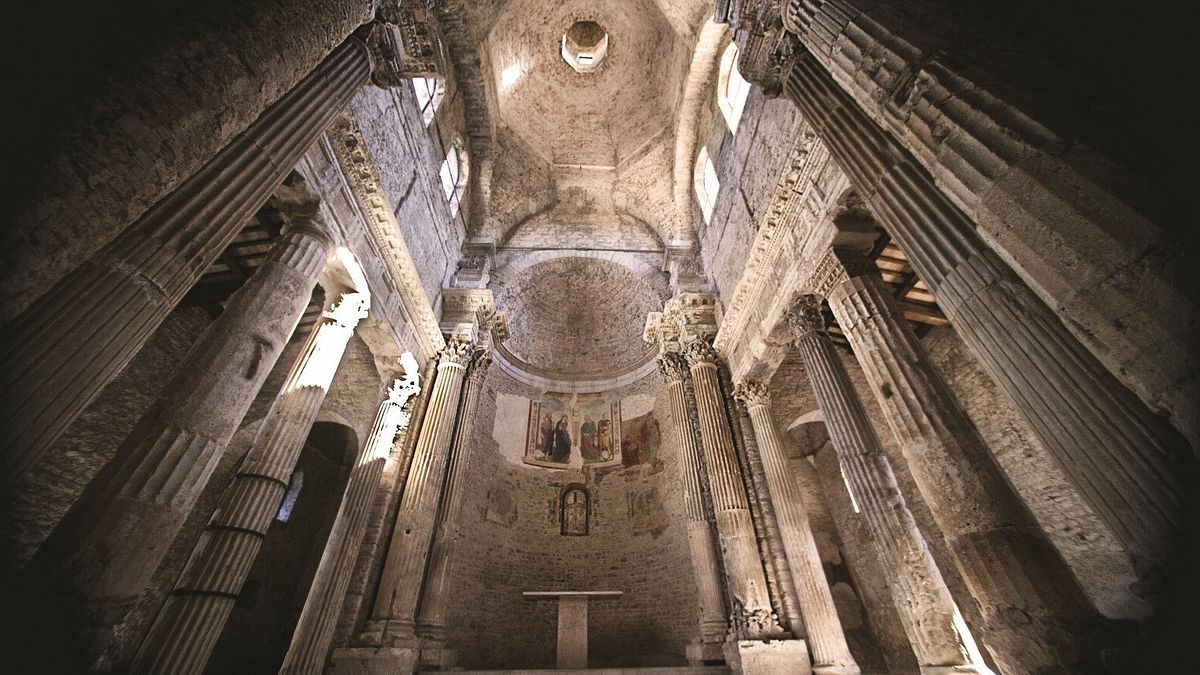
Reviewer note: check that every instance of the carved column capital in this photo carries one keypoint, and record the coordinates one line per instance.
(699, 351)
(672, 366)
(457, 352)
(404, 44)
(838, 265)
(805, 316)
(480, 361)
(752, 393)
(349, 310)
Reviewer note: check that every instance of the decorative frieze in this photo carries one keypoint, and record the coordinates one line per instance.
(405, 43)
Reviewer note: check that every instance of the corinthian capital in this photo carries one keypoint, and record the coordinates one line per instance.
(350, 309)
(698, 351)
(457, 352)
(805, 316)
(752, 393)
(672, 366)
(480, 362)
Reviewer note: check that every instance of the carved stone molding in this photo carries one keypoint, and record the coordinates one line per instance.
(805, 316)
(752, 393)
(837, 266)
(672, 366)
(356, 165)
(480, 362)
(404, 43)
(686, 316)
(699, 352)
(457, 352)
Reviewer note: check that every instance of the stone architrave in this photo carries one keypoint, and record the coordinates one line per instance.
(103, 554)
(921, 596)
(1128, 463)
(190, 622)
(713, 625)
(314, 631)
(65, 348)
(831, 653)
(1036, 616)
(393, 619)
(752, 615)
(431, 621)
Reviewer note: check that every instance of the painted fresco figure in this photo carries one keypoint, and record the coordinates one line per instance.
(604, 439)
(546, 435)
(587, 440)
(562, 441)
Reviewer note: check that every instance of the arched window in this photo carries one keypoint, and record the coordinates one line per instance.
(707, 184)
(732, 88)
(573, 508)
(454, 176)
(429, 92)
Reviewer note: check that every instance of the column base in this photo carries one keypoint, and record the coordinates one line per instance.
(373, 661)
(704, 653)
(436, 656)
(836, 670)
(949, 670)
(770, 657)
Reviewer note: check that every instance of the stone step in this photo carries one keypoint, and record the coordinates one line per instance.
(674, 670)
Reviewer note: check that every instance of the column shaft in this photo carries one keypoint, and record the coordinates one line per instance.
(713, 624)
(831, 653)
(190, 622)
(1034, 611)
(63, 350)
(104, 552)
(314, 631)
(431, 622)
(922, 599)
(1127, 462)
(393, 619)
(739, 547)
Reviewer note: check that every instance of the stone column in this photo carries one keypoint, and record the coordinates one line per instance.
(1036, 616)
(752, 615)
(922, 599)
(65, 348)
(831, 654)
(1127, 462)
(393, 619)
(314, 631)
(431, 622)
(713, 624)
(191, 620)
(104, 552)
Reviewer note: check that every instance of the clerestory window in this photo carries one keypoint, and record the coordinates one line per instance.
(732, 88)
(707, 184)
(453, 174)
(429, 92)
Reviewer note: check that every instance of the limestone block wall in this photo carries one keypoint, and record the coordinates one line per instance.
(513, 543)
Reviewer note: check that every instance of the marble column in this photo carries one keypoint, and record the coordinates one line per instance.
(752, 615)
(431, 621)
(190, 622)
(393, 619)
(66, 347)
(314, 631)
(101, 557)
(1036, 618)
(921, 596)
(831, 654)
(1130, 465)
(713, 624)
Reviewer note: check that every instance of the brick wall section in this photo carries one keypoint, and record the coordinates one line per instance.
(493, 626)
(179, 81)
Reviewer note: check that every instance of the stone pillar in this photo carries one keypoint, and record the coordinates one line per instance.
(922, 599)
(1035, 615)
(104, 552)
(65, 348)
(713, 624)
(752, 615)
(314, 631)
(831, 654)
(191, 620)
(393, 619)
(431, 622)
(1127, 462)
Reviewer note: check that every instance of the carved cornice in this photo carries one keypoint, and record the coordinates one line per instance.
(356, 166)
(405, 43)
(698, 352)
(795, 187)
(457, 352)
(672, 366)
(752, 393)
(805, 316)
(686, 316)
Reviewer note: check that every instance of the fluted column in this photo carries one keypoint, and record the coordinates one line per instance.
(831, 654)
(921, 596)
(314, 632)
(66, 347)
(1036, 618)
(393, 619)
(713, 624)
(191, 620)
(1127, 462)
(431, 622)
(104, 552)
(752, 615)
